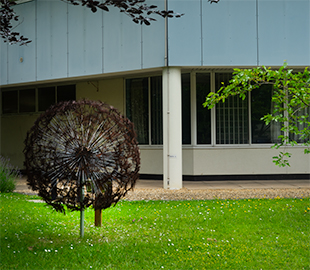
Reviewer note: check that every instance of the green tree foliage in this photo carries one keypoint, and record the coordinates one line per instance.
(291, 99)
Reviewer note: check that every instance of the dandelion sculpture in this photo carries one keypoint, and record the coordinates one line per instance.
(81, 153)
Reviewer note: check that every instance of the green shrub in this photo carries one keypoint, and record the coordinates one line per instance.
(8, 175)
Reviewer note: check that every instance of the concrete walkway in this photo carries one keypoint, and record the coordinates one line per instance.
(200, 185)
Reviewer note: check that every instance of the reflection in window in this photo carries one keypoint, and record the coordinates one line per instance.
(27, 100)
(231, 116)
(146, 112)
(261, 105)
(137, 107)
(10, 102)
(302, 125)
(203, 114)
(46, 97)
(186, 109)
(156, 110)
(66, 93)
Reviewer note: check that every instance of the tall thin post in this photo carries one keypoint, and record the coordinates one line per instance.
(82, 211)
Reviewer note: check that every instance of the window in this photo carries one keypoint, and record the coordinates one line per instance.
(156, 110)
(234, 122)
(261, 105)
(186, 109)
(231, 116)
(145, 109)
(203, 114)
(230, 120)
(24, 100)
(65, 93)
(10, 102)
(27, 100)
(302, 124)
(46, 97)
(137, 107)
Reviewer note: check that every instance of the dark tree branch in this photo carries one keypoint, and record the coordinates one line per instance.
(138, 10)
(7, 15)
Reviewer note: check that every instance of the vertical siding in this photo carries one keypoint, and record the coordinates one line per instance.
(51, 39)
(284, 32)
(23, 71)
(184, 39)
(84, 41)
(70, 41)
(213, 34)
(3, 62)
(240, 33)
(229, 33)
(153, 40)
(121, 42)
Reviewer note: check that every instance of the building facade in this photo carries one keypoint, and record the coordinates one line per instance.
(159, 76)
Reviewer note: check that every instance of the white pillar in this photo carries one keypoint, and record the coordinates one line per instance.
(172, 128)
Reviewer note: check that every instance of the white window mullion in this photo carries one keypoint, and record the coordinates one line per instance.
(250, 117)
(149, 111)
(193, 108)
(213, 112)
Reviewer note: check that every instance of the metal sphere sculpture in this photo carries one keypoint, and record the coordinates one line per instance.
(81, 153)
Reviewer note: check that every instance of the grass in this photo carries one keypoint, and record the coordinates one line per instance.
(8, 175)
(214, 234)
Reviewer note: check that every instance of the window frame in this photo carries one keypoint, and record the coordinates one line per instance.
(213, 143)
(149, 77)
(36, 89)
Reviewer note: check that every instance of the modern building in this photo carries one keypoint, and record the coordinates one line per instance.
(159, 76)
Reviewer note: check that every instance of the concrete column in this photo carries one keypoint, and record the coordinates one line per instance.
(172, 128)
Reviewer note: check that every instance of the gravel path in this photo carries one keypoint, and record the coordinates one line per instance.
(207, 194)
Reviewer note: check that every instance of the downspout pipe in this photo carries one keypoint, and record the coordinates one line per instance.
(166, 36)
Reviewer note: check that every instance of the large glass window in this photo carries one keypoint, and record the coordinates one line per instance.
(27, 100)
(203, 114)
(10, 102)
(46, 97)
(186, 109)
(302, 124)
(231, 116)
(145, 109)
(156, 110)
(35, 99)
(137, 107)
(261, 105)
(66, 93)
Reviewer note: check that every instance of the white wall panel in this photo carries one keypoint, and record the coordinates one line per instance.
(121, 42)
(21, 66)
(229, 33)
(51, 39)
(230, 161)
(283, 30)
(184, 40)
(3, 62)
(84, 41)
(153, 40)
(151, 161)
(72, 41)
(153, 44)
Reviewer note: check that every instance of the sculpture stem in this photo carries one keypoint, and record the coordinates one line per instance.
(82, 212)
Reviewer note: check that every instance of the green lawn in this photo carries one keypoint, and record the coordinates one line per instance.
(214, 234)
